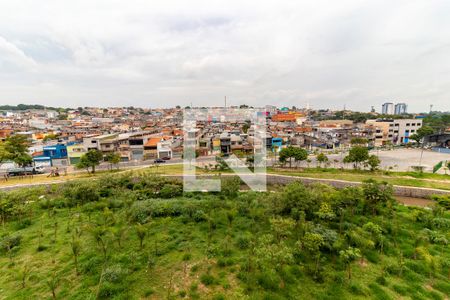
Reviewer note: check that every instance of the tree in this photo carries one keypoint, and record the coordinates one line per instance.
(289, 153)
(321, 158)
(90, 160)
(113, 158)
(272, 254)
(357, 155)
(4, 154)
(17, 148)
(76, 249)
(141, 232)
(374, 162)
(376, 193)
(282, 227)
(53, 283)
(312, 243)
(348, 256)
(421, 133)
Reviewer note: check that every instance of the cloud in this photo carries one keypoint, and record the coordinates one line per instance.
(165, 53)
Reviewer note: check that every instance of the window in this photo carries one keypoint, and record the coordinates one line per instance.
(412, 130)
(407, 124)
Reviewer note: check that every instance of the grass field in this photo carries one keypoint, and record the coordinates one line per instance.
(140, 237)
(426, 180)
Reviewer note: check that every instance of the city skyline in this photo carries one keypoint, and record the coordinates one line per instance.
(176, 53)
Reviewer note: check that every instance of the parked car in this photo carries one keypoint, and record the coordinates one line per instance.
(159, 161)
(165, 158)
(25, 171)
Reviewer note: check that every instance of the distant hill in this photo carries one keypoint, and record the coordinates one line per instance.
(28, 106)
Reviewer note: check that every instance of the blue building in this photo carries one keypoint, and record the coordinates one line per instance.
(277, 143)
(52, 155)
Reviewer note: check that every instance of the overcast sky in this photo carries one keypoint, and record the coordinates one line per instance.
(166, 53)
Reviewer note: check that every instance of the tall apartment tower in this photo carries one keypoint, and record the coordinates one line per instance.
(400, 108)
(387, 108)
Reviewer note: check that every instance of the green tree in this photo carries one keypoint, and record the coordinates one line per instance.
(373, 162)
(76, 249)
(113, 158)
(312, 243)
(321, 158)
(282, 227)
(90, 160)
(4, 154)
(357, 155)
(141, 232)
(348, 256)
(17, 148)
(421, 133)
(291, 153)
(376, 194)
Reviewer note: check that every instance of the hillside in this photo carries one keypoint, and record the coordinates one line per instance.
(129, 236)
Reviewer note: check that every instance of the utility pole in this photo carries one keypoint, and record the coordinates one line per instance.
(225, 101)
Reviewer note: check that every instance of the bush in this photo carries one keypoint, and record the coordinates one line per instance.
(10, 241)
(268, 280)
(199, 216)
(219, 297)
(243, 242)
(80, 192)
(22, 224)
(109, 290)
(207, 279)
(357, 289)
(381, 280)
(171, 191)
(114, 274)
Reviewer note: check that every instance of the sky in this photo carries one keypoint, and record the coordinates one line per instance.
(165, 53)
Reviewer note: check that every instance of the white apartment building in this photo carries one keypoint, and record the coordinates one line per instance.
(395, 131)
(402, 129)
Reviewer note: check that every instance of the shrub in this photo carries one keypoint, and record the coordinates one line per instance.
(381, 280)
(268, 280)
(109, 290)
(171, 191)
(357, 289)
(114, 274)
(207, 279)
(23, 224)
(199, 216)
(243, 242)
(219, 297)
(10, 241)
(80, 192)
